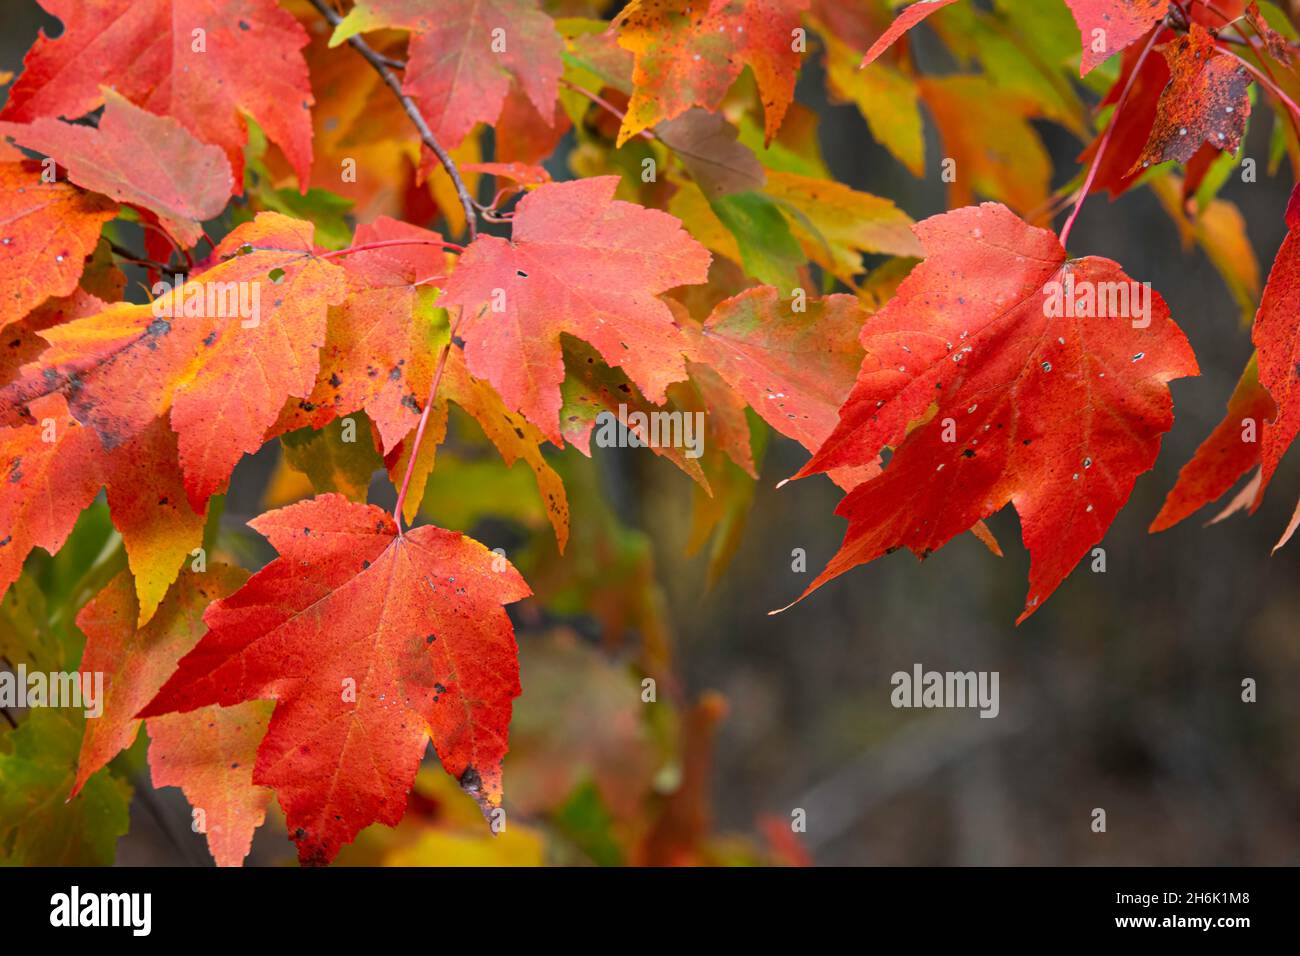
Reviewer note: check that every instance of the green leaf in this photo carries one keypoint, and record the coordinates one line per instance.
(325, 209)
(39, 826)
(584, 819)
(461, 493)
(768, 250)
(331, 463)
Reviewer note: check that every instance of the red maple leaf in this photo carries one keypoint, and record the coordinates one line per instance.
(992, 385)
(581, 263)
(1277, 338)
(370, 643)
(463, 56)
(689, 52)
(202, 62)
(148, 161)
(1109, 26)
(906, 19)
(193, 350)
(1207, 101)
(1231, 450)
(208, 753)
(55, 468)
(48, 231)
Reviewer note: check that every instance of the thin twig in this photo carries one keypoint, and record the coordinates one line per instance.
(381, 67)
(1105, 138)
(176, 246)
(604, 104)
(126, 255)
(385, 243)
(424, 420)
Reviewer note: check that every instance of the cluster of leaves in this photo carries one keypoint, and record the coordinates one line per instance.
(691, 264)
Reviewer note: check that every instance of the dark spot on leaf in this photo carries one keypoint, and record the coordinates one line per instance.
(471, 781)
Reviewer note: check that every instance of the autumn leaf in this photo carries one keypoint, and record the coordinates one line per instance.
(706, 144)
(1119, 166)
(148, 161)
(150, 508)
(523, 135)
(525, 175)
(1277, 45)
(793, 362)
(1206, 101)
(52, 457)
(39, 825)
(380, 347)
(1230, 451)
(48, 231)
(986, 132)
(133, 363)
(687, 57)
(370, 643)
(794, 219)
(200, 62)
(1108, 26)
(463, 56)
(355, 117)
(582, 263)
(209, 752)
(136, 663)
(1054, 413)
(886, 97)
(592, 389)
(909, 17)
(1277, 339)
(23, 343)
(379, 357)
(341, 457)
(51, 473)
(514, 438)
(836, 225)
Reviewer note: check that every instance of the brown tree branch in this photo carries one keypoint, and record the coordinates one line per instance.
(381, 66)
